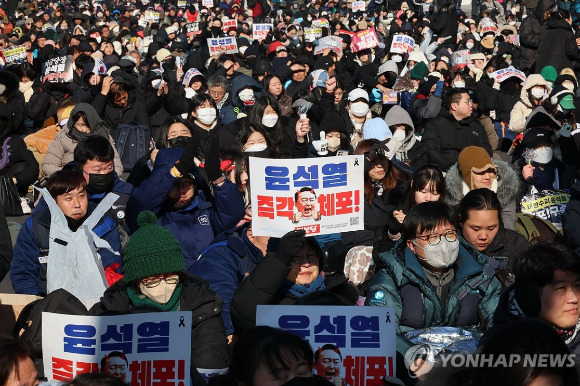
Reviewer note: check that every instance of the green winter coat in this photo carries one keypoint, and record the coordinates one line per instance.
(403, 285)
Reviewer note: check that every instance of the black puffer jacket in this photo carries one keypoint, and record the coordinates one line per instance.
(14, 101)
(530, 32)
(444, 137)
(209, 348)
(557, 45)
(446, 25)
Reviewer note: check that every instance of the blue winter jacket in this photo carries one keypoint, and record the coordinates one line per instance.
(225, 263)
(28, 274)
(195, 226)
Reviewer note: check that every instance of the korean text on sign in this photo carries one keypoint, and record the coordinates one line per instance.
(402, 44)
(218, 46)
(156, 346)
(364, 39)
(260, 31)
(366, 343)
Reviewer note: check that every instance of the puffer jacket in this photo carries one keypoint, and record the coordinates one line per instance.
(557, 46)
(445, 137)
(61, 150)
(530, 32)
(229, 112)
(14, 101)
(524, 107)
(508, 188)
(403, 285)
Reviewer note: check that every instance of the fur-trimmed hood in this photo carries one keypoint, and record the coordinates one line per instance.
(508, 183)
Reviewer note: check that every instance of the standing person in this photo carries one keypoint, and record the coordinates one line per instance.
(558, 45)
(531, 31)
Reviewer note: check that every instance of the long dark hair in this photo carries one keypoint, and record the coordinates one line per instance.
(275, 133)
(247, 130)
(424, 176)
(161, 139)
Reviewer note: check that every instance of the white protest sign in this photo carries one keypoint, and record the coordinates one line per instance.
(152, 16)
(402, 44)
(156, 347)
(319, 195)
(358, 6)
(364, 338)
(207, 3)
(320, 22)
(229, 24)
(460, 59)
(218, 46)
(503, 74)
(260, 30)
(311, 34)
(182, 3)
(332, 42)
(487, 25)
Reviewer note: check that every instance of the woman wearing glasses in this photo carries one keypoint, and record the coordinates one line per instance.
(474, 170)
(432, 277)
(155, 281)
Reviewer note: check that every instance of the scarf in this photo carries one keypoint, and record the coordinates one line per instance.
(401, 151)
(141, 301)
(221, 103)
(300, 290)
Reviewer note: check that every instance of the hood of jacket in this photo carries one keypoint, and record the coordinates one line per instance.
(398, 116)
(531, 81)
(11, 82)
(553, 23)
(242, 81)
(542, 7)
(508, 183)
(97, 125)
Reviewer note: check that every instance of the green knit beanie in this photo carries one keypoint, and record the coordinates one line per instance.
(419, 71)
(152, 250)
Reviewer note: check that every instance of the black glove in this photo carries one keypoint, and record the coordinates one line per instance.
(212, 158)
(290, 245)
(186, 161)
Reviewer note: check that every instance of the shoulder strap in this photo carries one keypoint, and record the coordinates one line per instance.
(530, 229)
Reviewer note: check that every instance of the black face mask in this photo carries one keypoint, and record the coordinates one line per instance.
(216, 31)
(180, 142)
(170, 64)
(100, 183)
(251, 62)
(74, 224)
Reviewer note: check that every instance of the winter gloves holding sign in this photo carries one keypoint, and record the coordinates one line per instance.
(212, 163)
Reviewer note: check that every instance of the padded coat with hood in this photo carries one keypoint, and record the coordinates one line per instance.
(229, 112)
(557, 46)
(508, 188)
(61, 150)
(530, 32)
(411, 148)
(524, 107)
(403, 285)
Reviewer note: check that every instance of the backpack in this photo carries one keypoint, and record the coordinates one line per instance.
(29, 323)
(535, 228)
(132, 142)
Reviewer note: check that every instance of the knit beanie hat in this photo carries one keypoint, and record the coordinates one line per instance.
(476, 159)
(376, 128)
(549, 73)
(419, 71)
(152, 250)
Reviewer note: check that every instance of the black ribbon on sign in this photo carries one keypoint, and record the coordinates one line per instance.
(356, 162)
(181, 322)
(388, 317)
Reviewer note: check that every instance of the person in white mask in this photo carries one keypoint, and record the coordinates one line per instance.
(156, 281)
(359, 112)
(538, 166)
(534, 91)
(428, 278)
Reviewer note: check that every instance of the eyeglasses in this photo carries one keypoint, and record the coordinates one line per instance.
(308, 258)
(154, 282)
(488, 171)
(468, 101)
(435, 238)
(217, 94)
(298, 70)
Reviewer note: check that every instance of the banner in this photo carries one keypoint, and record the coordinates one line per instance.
(311, 34)
(260, 31)
(358, 6)
(319, 195)
(333, 43)
(228, 24)
(460, 59)
(58, 70)
(353, 345)
(153, 348)
(547, 204)
(364, 39)
(402, 44)
(487, 25)
(192, 29)
(207, 3)
(15, 54)
(501, 75)
(181, 3)
(218, 46)
(152, 16)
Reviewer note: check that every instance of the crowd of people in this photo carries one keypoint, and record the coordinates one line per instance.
(457, 130)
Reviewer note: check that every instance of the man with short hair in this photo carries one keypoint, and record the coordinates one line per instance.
(328, 362)
(116, 365)
(305, 203)
(453, 130)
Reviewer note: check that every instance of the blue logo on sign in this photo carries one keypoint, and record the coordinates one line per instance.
(379, 295)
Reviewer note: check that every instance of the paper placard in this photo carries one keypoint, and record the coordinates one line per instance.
(364, 39)
(402, 44)
(359, 6)
(260, 30)
(332, 42)
(226, 45)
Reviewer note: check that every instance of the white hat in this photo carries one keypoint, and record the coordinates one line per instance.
(358, 93)
(171, 30)
(388, 66)
(162, 54)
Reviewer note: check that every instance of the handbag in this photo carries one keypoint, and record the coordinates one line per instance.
(9, 197)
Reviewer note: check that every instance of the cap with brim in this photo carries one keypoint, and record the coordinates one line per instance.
(358, 93)
(476, 56)
(488, 42)
(567, 102)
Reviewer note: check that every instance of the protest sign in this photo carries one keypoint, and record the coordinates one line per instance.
(152, 16)
(364, 39)
(319, 195)
(229, 24)
(547, 204)
(311, 34)
(460, 59)
(157, 346)
(329, 42)
(260, 31)
(207, 3)
(182, 3)
(487, 25)
(15, 54)
(363, 338)
(192, 29)
(503, 74)
(402, 44)
(322, 22)
(58, 70)
(345, 32)
(218, 46)
(358, 6)
(390, 98)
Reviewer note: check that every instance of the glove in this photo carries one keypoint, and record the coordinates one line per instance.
(439, 89)
(290, 245)
(212, 161)
(186, 162)
(321, 146)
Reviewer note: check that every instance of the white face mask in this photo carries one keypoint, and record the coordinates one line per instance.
(399, 135)
(359, 109)
(333, 144)
(206, 115)
(397, 58)
(257, 147)
(543, 155)
(441, 255)
(537, 93)
(459, 84)
(189, 93)
(160, 294)
(246, 94)
(270, 120)
(155, 83)
(469, 45)
(115, 30)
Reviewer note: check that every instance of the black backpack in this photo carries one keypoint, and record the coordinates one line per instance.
(132, 142)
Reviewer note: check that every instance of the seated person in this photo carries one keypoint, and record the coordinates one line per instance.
(29, 265)
(425, 274)
(547, 287)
